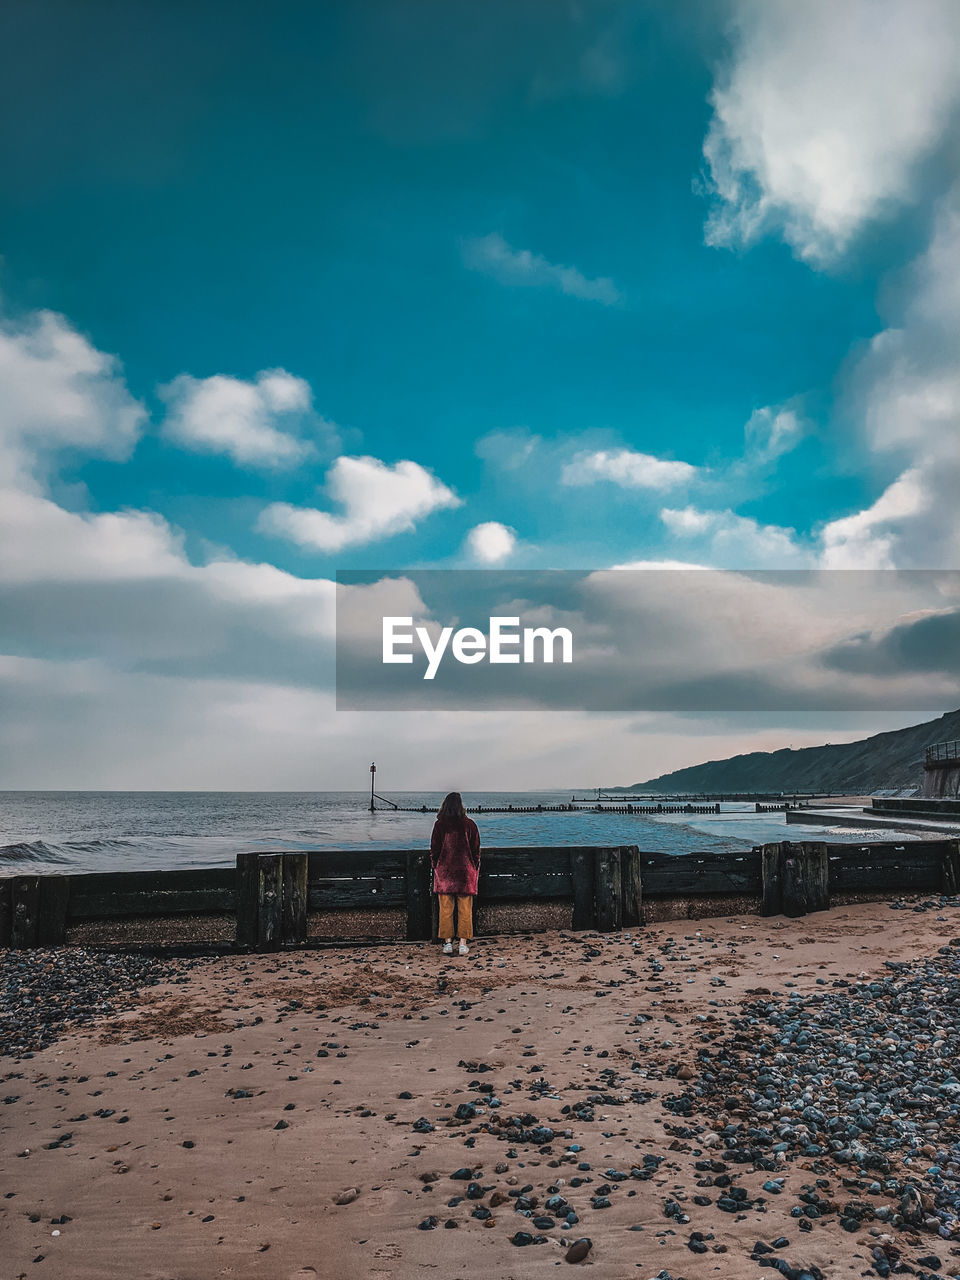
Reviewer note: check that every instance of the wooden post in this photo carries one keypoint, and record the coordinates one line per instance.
(294, 905)
(803, 878)
(771, 901)
(631, 887)
(270, 901)
(582, 879)
(248, 898)
(25, 903)
(419, 906)
(6, 886)
(950, 868)
(52, 918)
(607, 890)
(816, 875)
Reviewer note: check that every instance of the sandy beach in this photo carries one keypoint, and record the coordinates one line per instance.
(211, 1127)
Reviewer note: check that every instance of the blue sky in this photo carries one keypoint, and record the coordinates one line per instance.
(420, 284)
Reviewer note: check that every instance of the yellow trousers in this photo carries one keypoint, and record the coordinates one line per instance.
(464, 903)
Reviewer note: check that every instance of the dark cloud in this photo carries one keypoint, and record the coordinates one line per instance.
(928, 644)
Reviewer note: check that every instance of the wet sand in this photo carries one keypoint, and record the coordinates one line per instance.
(210, 1129)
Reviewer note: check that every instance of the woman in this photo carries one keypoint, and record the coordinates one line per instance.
(455, 859)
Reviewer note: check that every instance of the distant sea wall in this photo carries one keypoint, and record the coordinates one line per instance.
(942, 781)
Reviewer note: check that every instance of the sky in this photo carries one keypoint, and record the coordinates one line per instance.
(293, 289)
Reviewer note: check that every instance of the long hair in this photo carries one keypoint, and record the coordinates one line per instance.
(452, 813)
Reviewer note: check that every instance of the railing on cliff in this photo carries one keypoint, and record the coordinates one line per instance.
(942, 753)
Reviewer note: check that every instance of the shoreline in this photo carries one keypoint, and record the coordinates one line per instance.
(207, 1126)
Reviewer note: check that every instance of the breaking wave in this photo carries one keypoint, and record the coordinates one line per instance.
(34, 851)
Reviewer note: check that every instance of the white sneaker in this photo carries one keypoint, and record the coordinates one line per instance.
(448, 948)
(463, 949)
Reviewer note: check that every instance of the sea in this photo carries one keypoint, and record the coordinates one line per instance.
(68, 831)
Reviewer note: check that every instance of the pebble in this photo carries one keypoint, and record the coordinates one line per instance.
(861, 1073)
(52, 988)
(578, 1250)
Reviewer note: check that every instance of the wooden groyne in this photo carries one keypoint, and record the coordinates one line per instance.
(274, 900)
(785, 806)
(703, 797)
(582, 806)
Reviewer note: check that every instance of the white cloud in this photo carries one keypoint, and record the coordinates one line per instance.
(687, 520)
(378, 501)
(244, 420)
(118, 584)
(770, 433)
(662, 565)
(491, 542)
(58, 391)
(42, 542)
(868, 539)
(126, 574)
(74, 724)
(508, 450)
(905, 392)
(492, 255)
(823, 114)
(627, 468)
(735, 541)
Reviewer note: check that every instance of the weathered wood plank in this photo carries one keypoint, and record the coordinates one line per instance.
(803, 878)
(25, 903)
(818, 876)
(270, 866)
(582, 884)
(682, 881)
(888, 855)
(346, 895)
(531, 888)
(607, 889)
(418, 897)
(293, 914)
(199, 880)
(631, 887)
(950, 868)
(97, 906)
(54, 902)
(248, 898)
(771, 889)
(6, 895)
(886, 868)
(883, 880)
(359, 862)
(749, 859)
(525, 861)
(325, 863)
(888, 872)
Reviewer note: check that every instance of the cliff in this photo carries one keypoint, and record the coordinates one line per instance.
(887, 760)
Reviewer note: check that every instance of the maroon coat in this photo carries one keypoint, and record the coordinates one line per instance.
(455, 858)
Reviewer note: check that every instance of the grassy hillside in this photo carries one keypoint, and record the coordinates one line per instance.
(885, 760)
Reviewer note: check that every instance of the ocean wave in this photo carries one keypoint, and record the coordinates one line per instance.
(870, 835)
(34, 851)
(93, 846)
